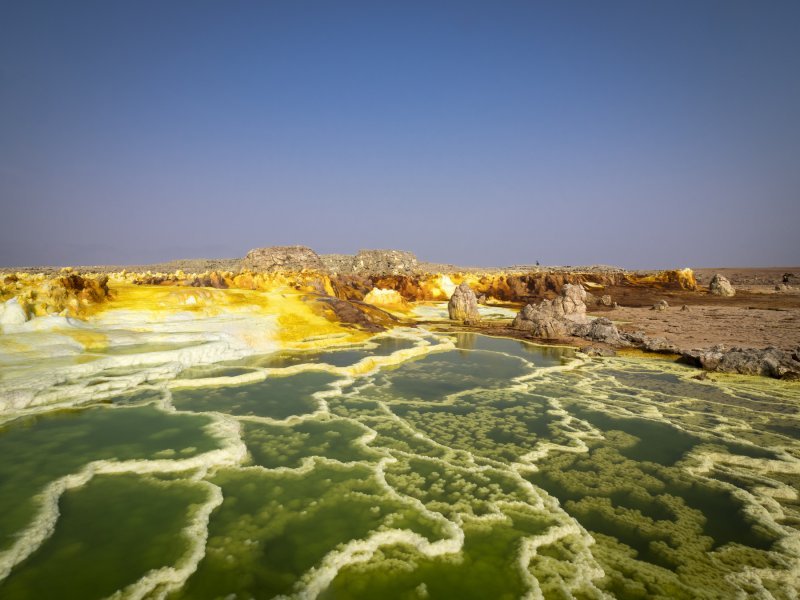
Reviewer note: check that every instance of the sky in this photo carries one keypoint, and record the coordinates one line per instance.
(650, 134)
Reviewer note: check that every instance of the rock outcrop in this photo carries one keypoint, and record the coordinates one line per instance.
(650, 344)
(463, 304)
(603, 330)
(564, 315)
(282, 258)
(720, 286)
(769, 362)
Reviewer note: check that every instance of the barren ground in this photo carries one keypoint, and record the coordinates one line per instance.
(757, 316)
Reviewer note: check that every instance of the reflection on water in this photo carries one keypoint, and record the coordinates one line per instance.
(541, 356)
(496, 468)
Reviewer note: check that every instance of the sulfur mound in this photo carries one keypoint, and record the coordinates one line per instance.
(388, 298)
(38, 295)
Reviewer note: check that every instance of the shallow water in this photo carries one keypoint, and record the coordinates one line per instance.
(407, 467)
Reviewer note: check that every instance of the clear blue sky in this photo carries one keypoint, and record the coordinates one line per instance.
(644, 133)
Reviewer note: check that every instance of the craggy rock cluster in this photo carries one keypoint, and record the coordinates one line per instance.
(463, 304)
(720, 286)
(769, 362)
(564, 315)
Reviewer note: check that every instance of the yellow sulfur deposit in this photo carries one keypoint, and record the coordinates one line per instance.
(386, 298)
(684, 278)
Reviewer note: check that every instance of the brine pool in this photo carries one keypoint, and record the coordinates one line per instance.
(413, 466)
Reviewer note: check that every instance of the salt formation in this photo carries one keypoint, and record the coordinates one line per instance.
(463, 304)
(720, 286)
(11, 313)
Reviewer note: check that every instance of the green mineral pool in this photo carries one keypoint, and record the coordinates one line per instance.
(485, 468)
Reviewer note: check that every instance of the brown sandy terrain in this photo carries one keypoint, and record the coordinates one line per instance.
(756, 317)
(748, 276)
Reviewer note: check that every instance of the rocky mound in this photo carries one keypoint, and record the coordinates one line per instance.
(371, 262)
(282, 258)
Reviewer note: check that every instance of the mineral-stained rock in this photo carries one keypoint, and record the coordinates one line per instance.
(282, 258)
(606, 300)
(463, 304)
(675, 279)
(70, 294)
(358, 314)
(770, 362)
(720, 286)
(213, 279)
(87, 289)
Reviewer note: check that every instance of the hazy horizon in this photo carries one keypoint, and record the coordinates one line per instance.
(641, 135)
(425, 259)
